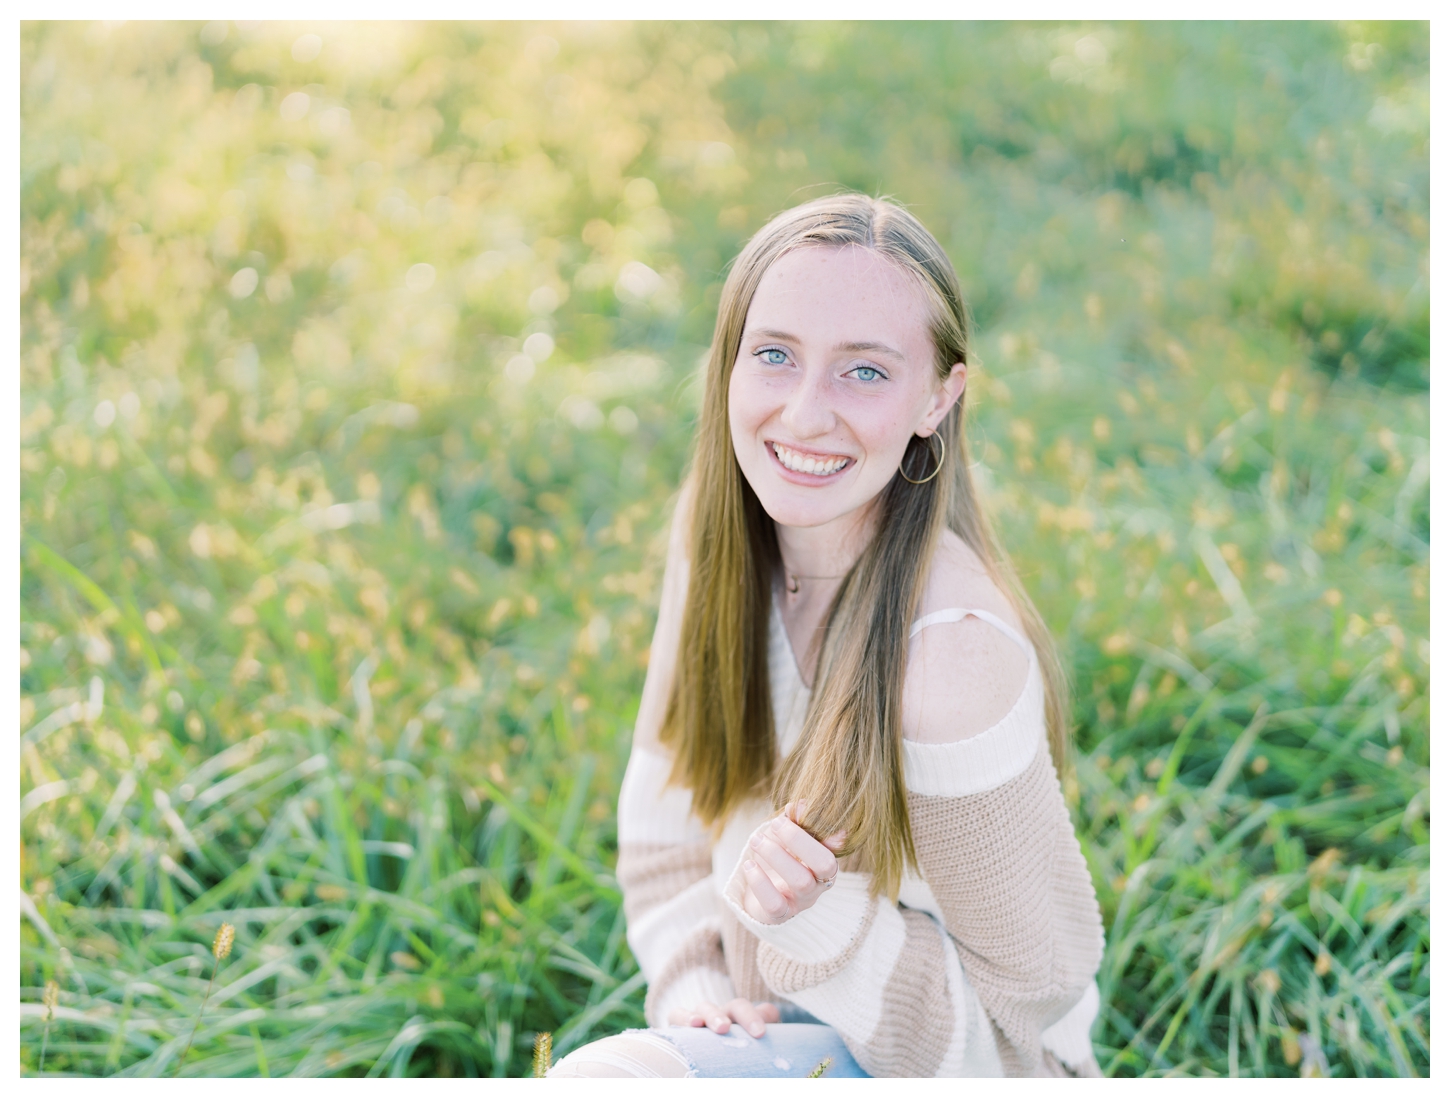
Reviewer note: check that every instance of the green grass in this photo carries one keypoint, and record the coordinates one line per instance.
(335, 610)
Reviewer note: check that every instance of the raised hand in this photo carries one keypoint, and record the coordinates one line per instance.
(787, 869)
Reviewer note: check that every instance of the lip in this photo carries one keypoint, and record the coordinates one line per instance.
(809, 480)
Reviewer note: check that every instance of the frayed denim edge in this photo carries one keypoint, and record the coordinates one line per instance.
(694, 1072)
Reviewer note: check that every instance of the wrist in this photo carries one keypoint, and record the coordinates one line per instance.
(685, 992)
(822, 931)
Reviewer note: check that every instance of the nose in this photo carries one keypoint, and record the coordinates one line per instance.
(808, 412)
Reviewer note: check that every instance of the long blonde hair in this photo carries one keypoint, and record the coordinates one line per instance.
(847, 765)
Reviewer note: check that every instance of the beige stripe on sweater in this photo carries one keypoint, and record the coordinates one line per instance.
(1017, 902)
(1029, 941)
(651, 873)
(700, 950)
(785, 975)
(742, 960)
(661, 883)
(996, 939)
(909, 1040)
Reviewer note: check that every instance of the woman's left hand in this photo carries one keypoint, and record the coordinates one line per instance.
(787, 869)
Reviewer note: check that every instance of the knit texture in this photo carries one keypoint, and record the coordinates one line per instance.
(907, 1040)
(695, 962)
(650, 874)
(742, 950)
(786, 973)
(1017, 899)
(984, 966)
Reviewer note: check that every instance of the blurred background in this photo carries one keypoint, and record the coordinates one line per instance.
(359, 369)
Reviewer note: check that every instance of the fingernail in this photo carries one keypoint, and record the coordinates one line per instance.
(757, 1031)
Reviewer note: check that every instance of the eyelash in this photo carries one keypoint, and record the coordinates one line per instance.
(880, 373)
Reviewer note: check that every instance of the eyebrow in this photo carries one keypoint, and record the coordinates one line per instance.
(859, 345)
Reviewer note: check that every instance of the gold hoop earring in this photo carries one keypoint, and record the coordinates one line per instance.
(941, 457)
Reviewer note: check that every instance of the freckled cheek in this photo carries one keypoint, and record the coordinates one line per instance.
(882, 432)
(750, 404)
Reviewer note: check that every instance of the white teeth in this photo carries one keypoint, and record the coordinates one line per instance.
(799, 463)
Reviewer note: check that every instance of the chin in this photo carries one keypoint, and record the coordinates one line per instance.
(789, 510)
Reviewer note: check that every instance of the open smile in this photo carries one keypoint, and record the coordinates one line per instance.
(816, 466)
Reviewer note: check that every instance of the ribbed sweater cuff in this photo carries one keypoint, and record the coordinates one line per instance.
(688, 990)
(823, 931)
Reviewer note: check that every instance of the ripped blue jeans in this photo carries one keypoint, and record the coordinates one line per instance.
(788, 1050)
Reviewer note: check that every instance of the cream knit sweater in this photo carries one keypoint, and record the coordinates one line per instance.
(985, 964)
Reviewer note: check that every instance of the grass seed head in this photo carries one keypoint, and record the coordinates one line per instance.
(543, 1054)
(820, 1069)
(1289, 1043)
(1321, 866)
(223, 943)
(52, 996)
(358, 584)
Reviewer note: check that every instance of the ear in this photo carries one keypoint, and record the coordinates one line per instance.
(947, 393)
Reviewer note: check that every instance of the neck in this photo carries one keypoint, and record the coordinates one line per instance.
(829, 549)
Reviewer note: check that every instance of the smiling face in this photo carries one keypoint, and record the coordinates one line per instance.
(836, 371)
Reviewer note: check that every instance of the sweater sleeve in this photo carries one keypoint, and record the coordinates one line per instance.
(671, 910)
(1002, 940)
(885, 976)
(1017, 898)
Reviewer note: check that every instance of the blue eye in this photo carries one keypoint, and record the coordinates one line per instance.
(865, 373)
(773, 356)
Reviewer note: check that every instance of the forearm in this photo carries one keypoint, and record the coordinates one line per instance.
(885, 977)
(1016, 897)
(671, 909)
(1013, 948)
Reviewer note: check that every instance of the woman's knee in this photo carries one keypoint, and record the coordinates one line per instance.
(635, 1054)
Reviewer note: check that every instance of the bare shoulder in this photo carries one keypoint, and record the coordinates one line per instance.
(962, 677)
(958, 578)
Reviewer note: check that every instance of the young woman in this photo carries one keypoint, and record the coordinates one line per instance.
(841, 832)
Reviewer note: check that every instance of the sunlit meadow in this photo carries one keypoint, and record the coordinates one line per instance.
(358, 371)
